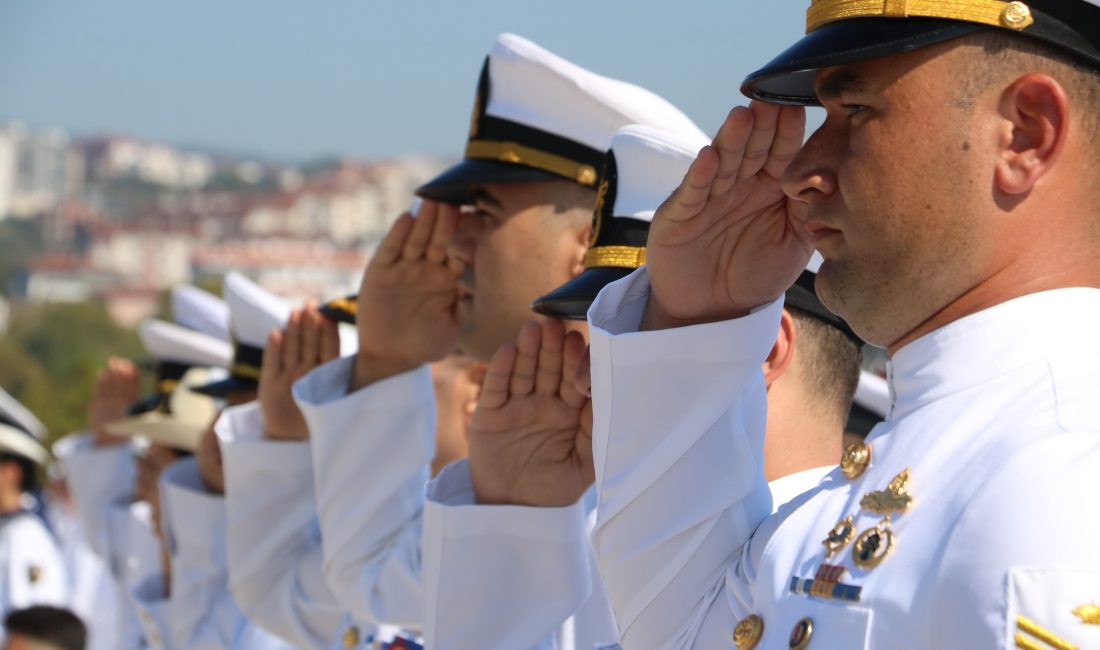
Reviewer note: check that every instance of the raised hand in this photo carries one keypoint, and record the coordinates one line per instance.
(531, 439)
(308, 340)
(406, 304)
(117, 388)
(727, 241)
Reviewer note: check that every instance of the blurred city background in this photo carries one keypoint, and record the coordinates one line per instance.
(145, 144)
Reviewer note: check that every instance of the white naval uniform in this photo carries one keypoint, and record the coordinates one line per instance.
(200, 613)
(274, 542)
(101, 480)
(371, 454)
(31, 569)
(996, 415)
(506, 580)
(93, 592)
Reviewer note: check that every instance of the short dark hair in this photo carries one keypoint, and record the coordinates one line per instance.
(831, 359)
(1013, 53)
(53, 625)
(30, 470)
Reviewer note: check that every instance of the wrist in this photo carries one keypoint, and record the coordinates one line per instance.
(370, 368)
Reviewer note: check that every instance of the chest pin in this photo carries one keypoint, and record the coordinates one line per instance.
(873, 545)
(895, 498)
(839, 536)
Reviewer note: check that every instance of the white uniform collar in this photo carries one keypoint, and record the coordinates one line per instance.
(991, 343)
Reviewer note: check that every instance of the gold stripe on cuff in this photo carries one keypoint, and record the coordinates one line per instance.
(1029, 626)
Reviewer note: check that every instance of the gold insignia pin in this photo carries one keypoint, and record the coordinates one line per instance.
(34, 573)
(873, 545)
(351, 637)
(895, 498)
(856, 459)
(748, 632)
(839, 536)
(1089, 614)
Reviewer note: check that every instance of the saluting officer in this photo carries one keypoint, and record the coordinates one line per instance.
(945, 192)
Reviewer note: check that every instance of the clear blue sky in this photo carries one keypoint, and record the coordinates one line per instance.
(358, 78)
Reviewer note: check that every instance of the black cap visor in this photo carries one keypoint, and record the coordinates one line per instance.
(335, 312)
(789, 78)
(220, 389)
(456, 185)
(571, 300)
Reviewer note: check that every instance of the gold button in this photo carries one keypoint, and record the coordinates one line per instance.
(351, 637)
(586, 175)
(800, 635)
(748, 632)
(855, 460)
(1016, 15)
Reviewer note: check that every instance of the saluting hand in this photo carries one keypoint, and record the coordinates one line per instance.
(726, 241)
(117, 388)
(406, 304)
(531, 439)
(308, 340)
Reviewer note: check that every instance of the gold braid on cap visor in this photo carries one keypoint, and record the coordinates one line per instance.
(625, 257)
(996, 13)
(515, 153)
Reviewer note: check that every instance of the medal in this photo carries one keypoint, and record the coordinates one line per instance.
(873, 545)
(895, 498)
(839, 536)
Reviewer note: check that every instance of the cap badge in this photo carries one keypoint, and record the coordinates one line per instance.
(1089, 614)
(895, 498)
(856, 459)
(873, 545)
(839, 537)
(597, 217)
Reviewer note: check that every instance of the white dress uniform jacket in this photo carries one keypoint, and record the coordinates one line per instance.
(371, 455)
(274, 540)
(31, 569)
(101, 480)
(93, 592)
(504, 551)
(200, 614)
(996, 418)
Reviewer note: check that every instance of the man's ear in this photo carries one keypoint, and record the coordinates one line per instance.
(782, 354)
(579, 237)
(1035, 114)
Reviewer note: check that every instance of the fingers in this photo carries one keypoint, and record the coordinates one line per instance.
(494, 390)
(311, 336)
(789, 136)
(330, 340)
(548, 375)
(575, 355)
(292, 339)
(527, 355)
(445, 225)
(731, 143)
(390, 249)
(273, 358)
(691, 196)
(582, 378)
(764, 123)
(417, 242)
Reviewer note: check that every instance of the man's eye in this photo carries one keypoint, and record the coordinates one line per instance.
(853, 108)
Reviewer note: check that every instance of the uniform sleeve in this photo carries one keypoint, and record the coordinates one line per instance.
(99, 479)
(1023, 560)
(371, 451)
(202, 613)
(679, 419)
(274, 548)
(512, 574)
